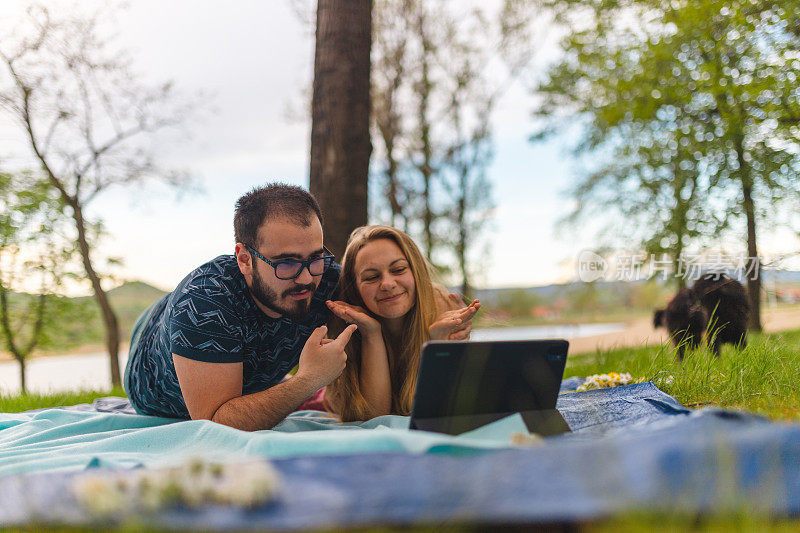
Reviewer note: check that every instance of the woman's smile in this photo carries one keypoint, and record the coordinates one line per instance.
(392, 298)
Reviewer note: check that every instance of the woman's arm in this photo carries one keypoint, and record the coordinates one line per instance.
(374, 379)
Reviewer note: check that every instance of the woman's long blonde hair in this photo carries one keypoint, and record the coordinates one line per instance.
(404, 353)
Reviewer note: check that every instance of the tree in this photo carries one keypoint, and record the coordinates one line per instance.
(702, 93)
(472, 99)
(389, 66)
(340, 117)
(30, 248)
(439, 72)
(88, 123)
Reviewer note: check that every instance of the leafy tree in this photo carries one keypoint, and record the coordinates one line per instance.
(88, 123)
(388, 80)
(30, 249)
(692, 107)
(439, 71)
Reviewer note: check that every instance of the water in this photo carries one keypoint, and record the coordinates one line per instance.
(61, 373)
(90, 371)
(555, 331)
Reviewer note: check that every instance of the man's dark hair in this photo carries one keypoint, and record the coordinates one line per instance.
(272, 201)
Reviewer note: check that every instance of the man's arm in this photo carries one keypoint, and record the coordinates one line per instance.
(213, 391)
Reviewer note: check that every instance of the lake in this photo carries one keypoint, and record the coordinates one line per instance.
(90, 371)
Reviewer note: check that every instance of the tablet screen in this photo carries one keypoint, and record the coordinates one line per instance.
(489, 377)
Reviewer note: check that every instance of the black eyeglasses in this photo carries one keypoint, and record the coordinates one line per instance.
(290, 269)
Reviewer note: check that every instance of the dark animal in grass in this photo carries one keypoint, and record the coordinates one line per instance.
(728, 309)
(717, 303)
(685, 319)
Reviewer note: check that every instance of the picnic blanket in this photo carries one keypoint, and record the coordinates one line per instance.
(631, 447)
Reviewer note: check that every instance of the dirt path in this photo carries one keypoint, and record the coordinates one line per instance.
(640, 332)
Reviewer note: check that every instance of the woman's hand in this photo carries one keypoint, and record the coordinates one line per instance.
(454, 325)
(353, 314)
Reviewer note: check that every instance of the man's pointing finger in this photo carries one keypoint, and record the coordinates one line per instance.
(344, 337)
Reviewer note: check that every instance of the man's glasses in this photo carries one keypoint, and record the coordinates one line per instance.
(290, 269)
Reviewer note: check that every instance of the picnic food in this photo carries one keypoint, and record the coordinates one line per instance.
(604, 381)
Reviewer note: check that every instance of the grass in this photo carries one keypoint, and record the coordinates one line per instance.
(26, 402)
(762, 378)
(715, 523)
(630, 523)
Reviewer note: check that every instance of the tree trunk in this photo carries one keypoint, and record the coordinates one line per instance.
(754, 279)
(388, 128)
(340, 115)
(22, 385)
(754, 275)
(426, 167)
(109, 317)
(679, 222)
(676, 264)
(463, 238)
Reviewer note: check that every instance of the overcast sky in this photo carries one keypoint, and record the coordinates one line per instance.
(255, 58)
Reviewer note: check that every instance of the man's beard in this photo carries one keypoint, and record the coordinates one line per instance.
(269, 298)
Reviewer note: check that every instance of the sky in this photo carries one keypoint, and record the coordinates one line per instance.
(255, 60)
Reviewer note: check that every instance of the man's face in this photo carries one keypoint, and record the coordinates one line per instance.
(283, 240)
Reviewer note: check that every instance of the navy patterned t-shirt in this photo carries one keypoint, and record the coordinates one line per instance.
(212, 317)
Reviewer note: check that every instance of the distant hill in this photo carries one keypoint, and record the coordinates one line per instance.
(130, 295)
(129, 300)
(545, 292)
(78, 320)
(494, 296)
(135, 290)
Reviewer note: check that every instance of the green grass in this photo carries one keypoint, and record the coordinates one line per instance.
(762, 378)
(637, 522)
(19, 403)
(632, 523)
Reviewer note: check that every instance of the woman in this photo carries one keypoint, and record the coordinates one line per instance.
(387, 289)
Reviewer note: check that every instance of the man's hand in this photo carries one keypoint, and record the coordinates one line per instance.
(322, 362)
(454, 325)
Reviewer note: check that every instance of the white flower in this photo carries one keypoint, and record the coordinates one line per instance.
(247, 484)
(602, 381)
(193, 484)
(100, 495)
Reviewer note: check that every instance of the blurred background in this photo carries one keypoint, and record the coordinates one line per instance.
(508, 137)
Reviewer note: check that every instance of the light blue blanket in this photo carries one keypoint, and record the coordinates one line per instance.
(69, 440)
(109, 434)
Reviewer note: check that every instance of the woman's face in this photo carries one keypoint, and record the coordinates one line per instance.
(384, 279)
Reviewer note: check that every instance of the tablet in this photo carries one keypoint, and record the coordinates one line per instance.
(464, 385)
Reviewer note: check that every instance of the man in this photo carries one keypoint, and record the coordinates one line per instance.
(220, 345)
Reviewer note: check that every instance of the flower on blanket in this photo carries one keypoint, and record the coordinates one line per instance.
(604, 381)
(193, 484)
